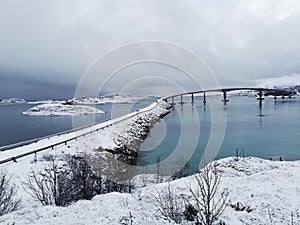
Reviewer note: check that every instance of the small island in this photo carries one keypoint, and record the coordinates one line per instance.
(59, 109)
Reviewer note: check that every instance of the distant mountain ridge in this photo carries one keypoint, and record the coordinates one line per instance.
(288, 88)
(111, 98)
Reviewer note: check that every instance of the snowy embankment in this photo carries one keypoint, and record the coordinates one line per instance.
(269, 189)
(61, 110)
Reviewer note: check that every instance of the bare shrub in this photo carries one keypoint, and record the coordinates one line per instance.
(111, 174)
(158, 169)
(169, 205)
(209, 206)
(8, 200)
(82, 178)
(127, 220)
(295, 217)
(62, 184)
(77, 177)
(237, 154)
(49, 185)
(48, 157)
(270, 215)
(180, 168)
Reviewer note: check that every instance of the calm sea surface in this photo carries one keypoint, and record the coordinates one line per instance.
(273, 130)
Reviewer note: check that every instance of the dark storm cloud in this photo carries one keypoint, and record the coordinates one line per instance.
(55, 41)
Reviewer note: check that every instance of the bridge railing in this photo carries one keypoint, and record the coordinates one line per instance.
(35, 140)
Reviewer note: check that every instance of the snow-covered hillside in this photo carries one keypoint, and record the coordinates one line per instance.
(279, 82)
(270, 189)
(287, 82)
(61, 110)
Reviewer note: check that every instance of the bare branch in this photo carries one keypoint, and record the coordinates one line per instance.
(169, 206)
(8, 199)
(204, 197)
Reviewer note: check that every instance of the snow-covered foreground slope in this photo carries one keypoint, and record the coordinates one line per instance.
(61, 110)
(267, 187)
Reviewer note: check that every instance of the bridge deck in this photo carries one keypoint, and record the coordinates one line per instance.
(265, 91)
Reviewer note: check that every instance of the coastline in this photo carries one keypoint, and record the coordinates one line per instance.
(110, 133)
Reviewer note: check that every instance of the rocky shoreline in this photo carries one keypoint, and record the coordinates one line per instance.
(128, 140)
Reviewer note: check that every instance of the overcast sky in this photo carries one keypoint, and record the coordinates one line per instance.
(45, 46)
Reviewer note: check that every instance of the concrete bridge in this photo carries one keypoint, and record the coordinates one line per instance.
(261, 92)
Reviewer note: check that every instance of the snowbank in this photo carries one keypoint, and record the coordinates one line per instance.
(61, 110)
(265, 186)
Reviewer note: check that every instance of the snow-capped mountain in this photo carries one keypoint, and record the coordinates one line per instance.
(287, 82)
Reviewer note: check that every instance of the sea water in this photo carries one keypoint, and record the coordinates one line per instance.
(267, 131)
(272, 130)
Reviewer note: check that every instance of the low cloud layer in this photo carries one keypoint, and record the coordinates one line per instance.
(54, 42)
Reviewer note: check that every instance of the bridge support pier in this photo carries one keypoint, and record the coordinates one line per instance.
(173, 103)
(260, 98)
(225, 100)
(282, 97)
(192, 98)
(204, 98)
(181, 100)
